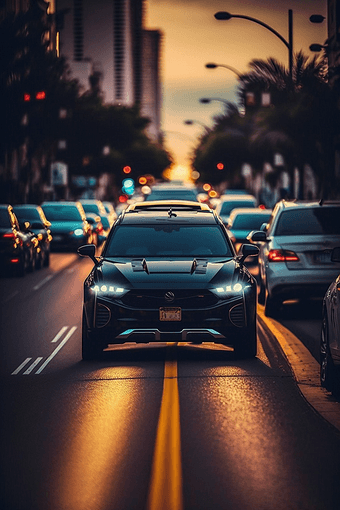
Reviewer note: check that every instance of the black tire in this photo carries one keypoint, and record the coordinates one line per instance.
(47, 259)
(272, 307)
(262, 294)
(245, 345)
(91, 350)
(329, 374)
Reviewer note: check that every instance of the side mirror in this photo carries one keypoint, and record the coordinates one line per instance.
(88, 250)
(257, 236)
(263, 227)
(25, 226)
(247, 250)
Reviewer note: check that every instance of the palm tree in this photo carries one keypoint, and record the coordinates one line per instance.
(303, 121)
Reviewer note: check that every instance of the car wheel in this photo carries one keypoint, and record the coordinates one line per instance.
(47, 259)
(245, 345)
(272, 306)
(90, 348)
(329, 375)
(262, 294)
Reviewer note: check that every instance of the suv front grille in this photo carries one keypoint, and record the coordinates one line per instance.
(186, 299)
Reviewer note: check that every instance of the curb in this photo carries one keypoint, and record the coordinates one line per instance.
(305, 368)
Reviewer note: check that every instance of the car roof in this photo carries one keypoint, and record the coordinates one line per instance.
(249, 211)
(294, 203)
(175, 205)
(169, 211)
(235, 198)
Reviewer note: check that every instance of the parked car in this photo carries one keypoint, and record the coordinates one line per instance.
(242, 221)
(330, 334)
(295, 252)
(18, 246)
(229, 202)
(40, 226)
(96, 207)
(68, 225)
(169, 270)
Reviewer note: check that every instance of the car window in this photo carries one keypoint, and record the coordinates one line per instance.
(172, 195)
(168, 240)
(311, 221)
(62, 213)
(91, 208)
(249, 221)
(26, 214)
(228, 206)
(4, 218)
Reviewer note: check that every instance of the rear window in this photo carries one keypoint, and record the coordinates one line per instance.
(168, 240)
(172, 195)
(316, 221)
(228, 206)
(249, 221)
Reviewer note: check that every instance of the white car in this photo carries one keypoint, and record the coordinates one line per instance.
(295, 252)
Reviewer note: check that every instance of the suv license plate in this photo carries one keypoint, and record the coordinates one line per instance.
(170, 314)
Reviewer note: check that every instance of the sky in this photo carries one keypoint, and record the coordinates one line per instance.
(192, 37)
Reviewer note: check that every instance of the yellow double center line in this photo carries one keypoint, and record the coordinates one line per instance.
(165, 490)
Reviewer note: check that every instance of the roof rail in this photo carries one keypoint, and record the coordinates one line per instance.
(165, 205)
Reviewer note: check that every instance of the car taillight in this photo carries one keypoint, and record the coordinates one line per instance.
(9, 235)
(282, 256)
(99, 228)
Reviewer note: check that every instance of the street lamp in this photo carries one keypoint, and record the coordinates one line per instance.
(212, 65)
(191, 122)
(222, 15)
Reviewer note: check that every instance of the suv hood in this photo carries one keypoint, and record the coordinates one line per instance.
(140, 273)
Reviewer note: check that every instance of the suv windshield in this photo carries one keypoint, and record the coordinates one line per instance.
(62, 213)
(251, 221)
(168, 240)
(311, 221)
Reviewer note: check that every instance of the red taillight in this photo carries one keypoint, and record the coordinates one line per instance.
(15, 261)
(99, 228)
(9, 235)
(282, 256)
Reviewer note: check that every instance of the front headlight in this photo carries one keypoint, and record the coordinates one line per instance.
(228, 291)
(108, 290)
(77, 232)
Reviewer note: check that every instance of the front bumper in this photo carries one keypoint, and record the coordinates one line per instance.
(115, 322)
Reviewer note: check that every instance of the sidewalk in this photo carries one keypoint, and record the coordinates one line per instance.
(305, 369)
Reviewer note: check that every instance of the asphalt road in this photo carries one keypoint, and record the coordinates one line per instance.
(154, 426)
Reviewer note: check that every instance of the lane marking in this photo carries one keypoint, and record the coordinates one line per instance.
(17, 370)
(165, 491)
(10, 296)
(45, 280)
(32, 367)
(60, 346)
(58, 335)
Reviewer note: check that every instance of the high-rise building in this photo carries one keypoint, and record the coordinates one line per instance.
(104, 37)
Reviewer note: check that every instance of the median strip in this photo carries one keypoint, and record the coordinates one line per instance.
(165, 490)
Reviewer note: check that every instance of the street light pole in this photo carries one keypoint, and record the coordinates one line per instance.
(222, 15)
(232, 69)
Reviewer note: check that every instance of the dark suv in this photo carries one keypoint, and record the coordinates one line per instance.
(169, 271)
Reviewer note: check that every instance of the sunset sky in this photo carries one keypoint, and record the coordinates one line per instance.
(192, 37)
